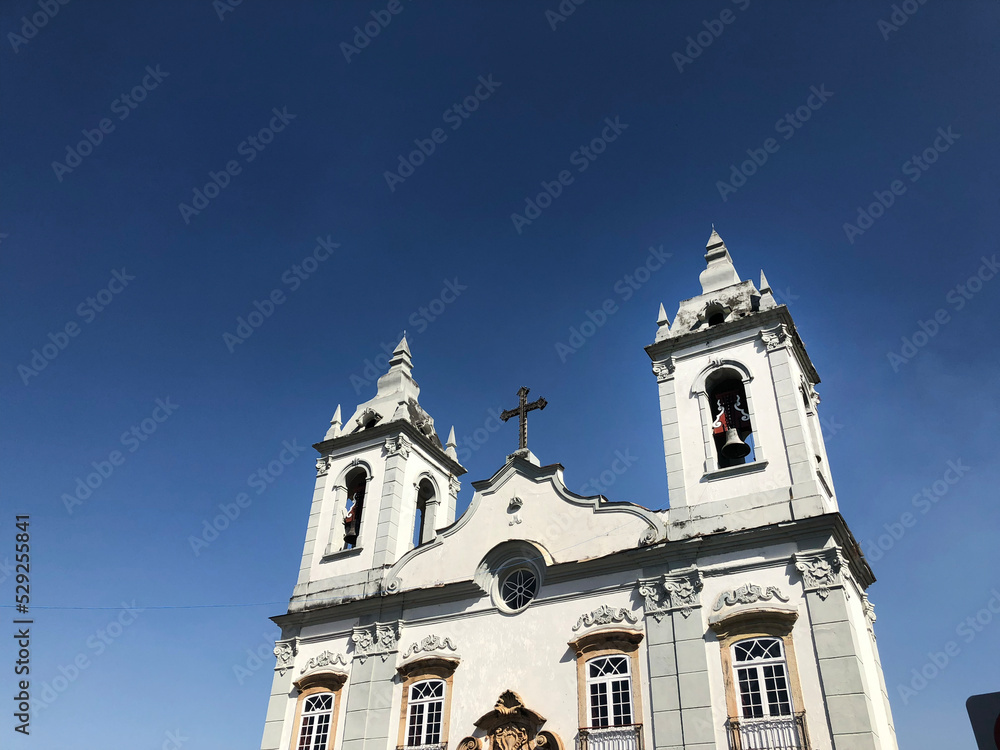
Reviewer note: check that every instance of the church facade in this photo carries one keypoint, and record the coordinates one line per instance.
(545, 620)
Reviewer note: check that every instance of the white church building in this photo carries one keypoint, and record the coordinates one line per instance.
(542, 619)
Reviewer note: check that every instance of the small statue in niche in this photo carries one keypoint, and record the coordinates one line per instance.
(352, 519)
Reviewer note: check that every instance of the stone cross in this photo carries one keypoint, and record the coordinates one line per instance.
(521, 412)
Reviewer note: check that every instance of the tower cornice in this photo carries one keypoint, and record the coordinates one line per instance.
(764, 320)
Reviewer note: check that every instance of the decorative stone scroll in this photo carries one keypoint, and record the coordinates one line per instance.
(604, 615)
(377, 639)
(323, 464)
(326, 659)
(453, 485)
(869, 609)
(430, 643)
(821, 570)
(774, 338)
(470, 743)
(677, 591)
(398, 444)
(284, 652)
(663, 369)
(748, 593)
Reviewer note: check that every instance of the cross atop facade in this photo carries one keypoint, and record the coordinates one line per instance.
(521, 412)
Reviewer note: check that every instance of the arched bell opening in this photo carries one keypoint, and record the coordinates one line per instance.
(732, 429)
(356, 482)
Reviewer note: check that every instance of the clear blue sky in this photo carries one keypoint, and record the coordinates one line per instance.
(207, 85)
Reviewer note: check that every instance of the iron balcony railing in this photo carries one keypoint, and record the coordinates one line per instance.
(627, 737)
(435, 746)
(772, 733)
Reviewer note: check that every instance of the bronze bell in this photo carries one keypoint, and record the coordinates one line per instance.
(734, 447)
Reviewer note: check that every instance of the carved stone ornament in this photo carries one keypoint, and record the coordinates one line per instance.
(377, 639)
(514, 509)
(748, 593)
(326, 659)
(284, 652)
(453, 485)
(683, 588)
(869, 609)
(604, 615)
(664, 368)
(510, 725)
(398, 444)
(821, 570)
(470, 743)
(677, 591)
(774, 338)
(430, 643)
(323, 464)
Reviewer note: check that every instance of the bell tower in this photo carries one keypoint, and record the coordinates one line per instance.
(741, 433)
(384, 484)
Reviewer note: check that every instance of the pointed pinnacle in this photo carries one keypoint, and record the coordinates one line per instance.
(335, 423)
(402, 346)
(764, 286)
(714, 239)
(662, 319)
(451, 438)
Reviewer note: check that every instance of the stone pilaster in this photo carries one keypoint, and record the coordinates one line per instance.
(839, 650)
(281, 686)
(367, 719)
(680, 697)
(664, 371)
(387, 533)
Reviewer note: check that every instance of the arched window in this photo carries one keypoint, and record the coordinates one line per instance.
(762, 678)
(731, 426)
(357, 484)
(425, 710)
(609, 692)
(316, 723)
(424, 517)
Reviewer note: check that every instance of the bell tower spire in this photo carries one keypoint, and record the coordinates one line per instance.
(384, 483)
(742, 440)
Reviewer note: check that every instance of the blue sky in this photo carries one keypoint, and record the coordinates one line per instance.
(103, 221)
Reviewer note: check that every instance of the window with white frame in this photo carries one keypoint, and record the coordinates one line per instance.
(762, 678)
(317, 716)
(609, 691)
(425, 709)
